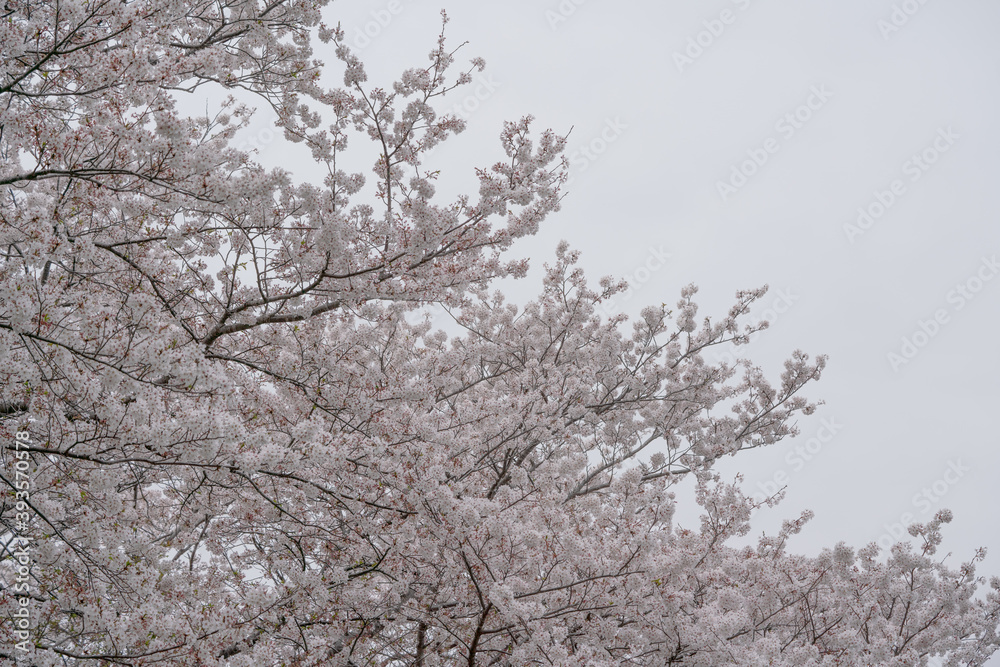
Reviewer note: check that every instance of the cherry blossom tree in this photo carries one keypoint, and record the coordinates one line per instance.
(246, 447)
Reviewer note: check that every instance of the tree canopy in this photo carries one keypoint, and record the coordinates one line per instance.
(241, 446)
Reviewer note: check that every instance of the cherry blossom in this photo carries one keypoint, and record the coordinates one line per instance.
(247, 448)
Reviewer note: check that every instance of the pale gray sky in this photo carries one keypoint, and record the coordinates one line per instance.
(741, 137)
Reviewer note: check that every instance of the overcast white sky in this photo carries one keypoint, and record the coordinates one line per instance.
(880, 105)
